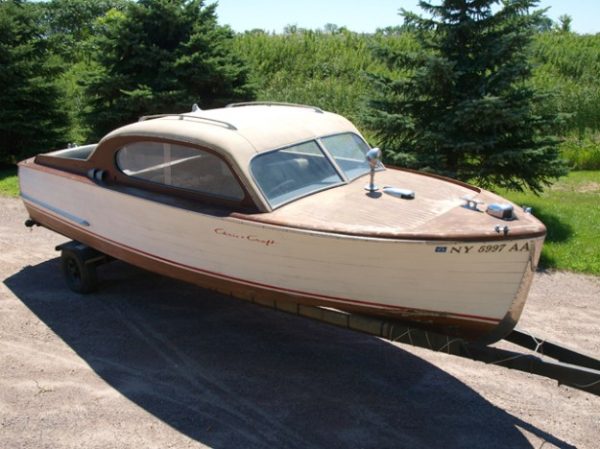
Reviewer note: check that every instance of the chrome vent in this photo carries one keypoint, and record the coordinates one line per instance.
(503, 211)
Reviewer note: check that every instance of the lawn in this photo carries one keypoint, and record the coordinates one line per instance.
(570, 209)
(9, 184)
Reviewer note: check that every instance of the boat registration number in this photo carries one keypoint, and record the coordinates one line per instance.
(491, 248)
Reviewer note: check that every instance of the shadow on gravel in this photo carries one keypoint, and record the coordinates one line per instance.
(230, 374)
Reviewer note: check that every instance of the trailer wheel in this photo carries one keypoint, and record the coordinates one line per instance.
(80, 276)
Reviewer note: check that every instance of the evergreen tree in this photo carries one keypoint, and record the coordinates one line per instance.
(564, 23)
(72, 23)
(463, 105)
(31, 117)
(161, 56)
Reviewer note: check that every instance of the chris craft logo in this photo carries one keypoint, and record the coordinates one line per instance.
(250, 238)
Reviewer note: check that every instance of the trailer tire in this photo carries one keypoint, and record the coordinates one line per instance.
(80, 276)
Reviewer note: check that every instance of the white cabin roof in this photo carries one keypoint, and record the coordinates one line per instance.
(241, 132)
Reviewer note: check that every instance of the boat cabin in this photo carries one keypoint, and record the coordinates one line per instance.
(246, 157)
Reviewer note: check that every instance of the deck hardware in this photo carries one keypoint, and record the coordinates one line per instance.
(96, 174)
(196, 108)
(527, 209)
(471, 203)
(503, 211)
(400, 193)
(502, 229)
(373, 156)
(100, 175)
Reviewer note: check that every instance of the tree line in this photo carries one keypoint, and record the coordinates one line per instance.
(71, 70)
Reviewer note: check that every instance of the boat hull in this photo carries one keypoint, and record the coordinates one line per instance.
(473, 289)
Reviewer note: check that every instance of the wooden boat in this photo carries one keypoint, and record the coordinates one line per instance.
(265, 201)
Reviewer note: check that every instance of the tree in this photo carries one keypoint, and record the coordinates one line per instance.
(162, 56)
(463, 105)
(564, 23)
(293, 28)
(72, 23)
(31, 117)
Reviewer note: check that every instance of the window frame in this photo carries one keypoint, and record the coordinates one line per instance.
(380, 167)
(344, 179)
(247, 203)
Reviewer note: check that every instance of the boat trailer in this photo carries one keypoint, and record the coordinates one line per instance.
(546, 359)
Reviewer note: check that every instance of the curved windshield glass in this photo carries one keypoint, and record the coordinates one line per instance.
(293, 172)
(349, 152)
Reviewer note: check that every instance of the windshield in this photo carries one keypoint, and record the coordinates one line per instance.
(349, 152)
(293, 172)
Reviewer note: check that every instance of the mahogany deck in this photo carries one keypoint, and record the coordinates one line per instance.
(434, 214)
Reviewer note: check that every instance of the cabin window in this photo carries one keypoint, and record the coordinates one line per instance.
(349, 152)
(181, 167)
(293, 172)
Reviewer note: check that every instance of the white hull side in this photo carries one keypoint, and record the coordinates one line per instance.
(465, 281)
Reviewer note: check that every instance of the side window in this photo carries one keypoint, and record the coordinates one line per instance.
(181, 167)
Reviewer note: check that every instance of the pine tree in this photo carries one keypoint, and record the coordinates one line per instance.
(162, 56)
(72, 23)
(463, 105)
(31, 117)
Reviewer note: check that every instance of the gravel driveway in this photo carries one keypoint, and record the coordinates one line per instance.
(148, 362)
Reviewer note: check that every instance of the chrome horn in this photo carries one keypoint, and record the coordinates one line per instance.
(373, 157)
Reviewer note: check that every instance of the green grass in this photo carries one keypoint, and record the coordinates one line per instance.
(9, 183)
(570, 209)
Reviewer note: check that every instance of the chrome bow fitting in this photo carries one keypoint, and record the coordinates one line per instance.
(503, 211)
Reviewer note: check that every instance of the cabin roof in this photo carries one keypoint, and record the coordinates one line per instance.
(242, 131)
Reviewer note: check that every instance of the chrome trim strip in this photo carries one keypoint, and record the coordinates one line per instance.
(62, 213)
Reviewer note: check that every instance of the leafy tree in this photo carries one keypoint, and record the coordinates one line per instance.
(332, 28)
(463, 105)
(293, 28)
(72, 23)
(161, 56)
(31, 117)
